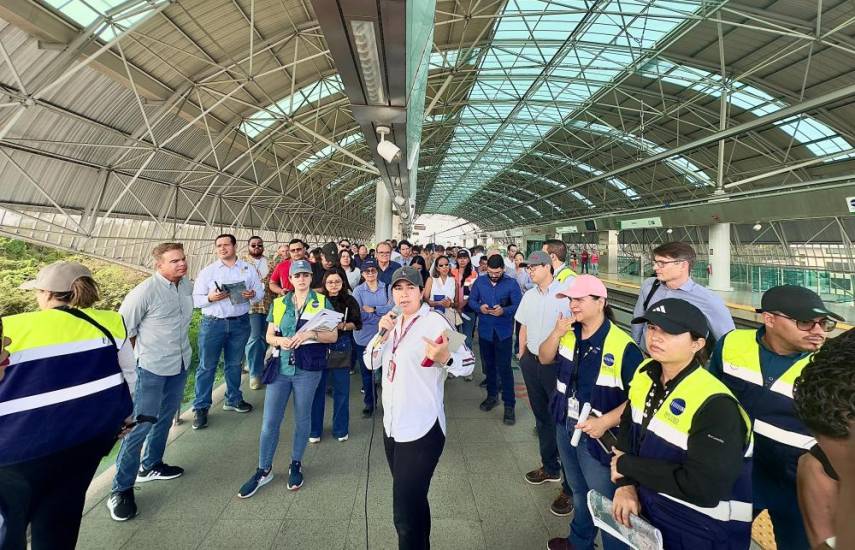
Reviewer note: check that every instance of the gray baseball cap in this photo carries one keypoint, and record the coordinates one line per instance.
(300, 266)
(408, 273)
(57, 277)
(538, 257)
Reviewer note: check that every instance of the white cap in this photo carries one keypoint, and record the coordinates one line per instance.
(57, 277)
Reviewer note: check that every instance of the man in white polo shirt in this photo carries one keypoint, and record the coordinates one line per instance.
(537, 313)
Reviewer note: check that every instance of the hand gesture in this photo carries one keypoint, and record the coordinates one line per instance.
(563, 324)
(298, 339)
(369, 309)
(594, 426)
(625, 503)
(127, 427)
(284, 342)
(248, 294)
(437, 351)
(446, 302)
(217, 295)
(485, 309)
(498, 311)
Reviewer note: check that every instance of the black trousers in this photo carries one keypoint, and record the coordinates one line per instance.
(412, 465)
(48, 493)
(539, 384)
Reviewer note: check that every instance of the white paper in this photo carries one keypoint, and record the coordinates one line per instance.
(324, 320)
(641, 536)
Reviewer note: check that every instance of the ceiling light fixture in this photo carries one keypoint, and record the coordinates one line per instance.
(757, 227)
(368, 54)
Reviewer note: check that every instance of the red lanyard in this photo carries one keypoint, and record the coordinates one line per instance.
(396, 341)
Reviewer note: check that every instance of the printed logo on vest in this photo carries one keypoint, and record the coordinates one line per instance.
(609, 359)
(678, 407)
(316, 304)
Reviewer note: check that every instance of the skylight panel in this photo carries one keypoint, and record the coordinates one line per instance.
(84, 13)
(328, 151)
(309, 94)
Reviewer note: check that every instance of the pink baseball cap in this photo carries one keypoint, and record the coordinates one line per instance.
(583, 285)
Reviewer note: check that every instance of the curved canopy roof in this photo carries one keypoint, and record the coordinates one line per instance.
(197, 116)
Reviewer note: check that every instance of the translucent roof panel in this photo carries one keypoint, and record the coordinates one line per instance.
(310, 94)
(529, 81)
(617, 183)
(817, 137)
(327, 151)
(84, 13)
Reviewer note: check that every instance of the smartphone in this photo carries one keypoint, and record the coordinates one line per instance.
(607, 441)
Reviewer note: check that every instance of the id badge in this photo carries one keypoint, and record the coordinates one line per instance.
(573, 408)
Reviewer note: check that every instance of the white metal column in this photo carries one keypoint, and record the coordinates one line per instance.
(719, 243)
(609, 250)
(383, 219)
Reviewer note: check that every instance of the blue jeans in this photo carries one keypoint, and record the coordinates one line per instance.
(340, 379)
(216, 336)
(303, 384)
(256, 346)
(157, 396)
(780, 498)
(367, 375)
(468, 326)
(584, 473)
(496, 359)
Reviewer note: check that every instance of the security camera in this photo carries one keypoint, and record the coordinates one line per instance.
(388, 150)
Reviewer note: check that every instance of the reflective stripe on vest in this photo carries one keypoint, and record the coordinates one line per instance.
(673, 422)
(63, 385)
(613, 349)
(740, 357)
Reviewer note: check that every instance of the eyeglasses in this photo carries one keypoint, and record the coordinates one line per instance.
(371, 271)
(256, 246)
(663, 263)
(531, 267)
(826, 324)
(293, 250)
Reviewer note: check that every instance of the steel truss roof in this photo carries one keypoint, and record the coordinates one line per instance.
(194, 117)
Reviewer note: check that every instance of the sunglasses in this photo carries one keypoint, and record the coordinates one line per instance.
(441, 265)
(256, 246)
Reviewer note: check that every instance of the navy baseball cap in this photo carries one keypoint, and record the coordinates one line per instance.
(369, 263)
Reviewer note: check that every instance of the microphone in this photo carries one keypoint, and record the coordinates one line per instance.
(583, 416)
(395, 312)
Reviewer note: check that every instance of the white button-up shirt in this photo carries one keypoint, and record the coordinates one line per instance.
(413, 395)
(538, 312)
(220, 273)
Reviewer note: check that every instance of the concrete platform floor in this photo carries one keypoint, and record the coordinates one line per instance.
(479, 498)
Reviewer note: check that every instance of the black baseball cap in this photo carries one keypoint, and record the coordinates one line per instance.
(408, 273)
(676, 316)
(797, 302)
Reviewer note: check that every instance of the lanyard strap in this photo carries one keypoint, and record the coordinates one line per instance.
(397, 341)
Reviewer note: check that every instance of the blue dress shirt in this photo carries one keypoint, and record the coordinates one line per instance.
(505, 293)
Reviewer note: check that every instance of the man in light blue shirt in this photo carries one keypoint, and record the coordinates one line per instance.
(225, 326)
(673, 263)
(157, 315)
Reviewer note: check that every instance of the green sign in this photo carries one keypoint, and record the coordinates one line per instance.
(641, 223)
(567, 229)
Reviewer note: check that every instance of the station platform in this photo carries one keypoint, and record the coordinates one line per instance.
(479, 498)
(741, 301)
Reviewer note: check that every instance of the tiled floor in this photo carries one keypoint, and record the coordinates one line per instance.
(478, 496)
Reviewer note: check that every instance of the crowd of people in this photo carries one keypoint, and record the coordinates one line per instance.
(684, 421)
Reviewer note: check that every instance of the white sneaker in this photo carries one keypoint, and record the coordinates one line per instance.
(343, 438)
(314, 440)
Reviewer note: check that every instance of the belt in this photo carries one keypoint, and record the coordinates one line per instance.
(226, 318)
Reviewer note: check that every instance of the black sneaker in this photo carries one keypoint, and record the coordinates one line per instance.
(122, 505)
(159, 471)
(200, 419)
(510, 418)
(258, 480)
(489, 403)
(241, 407)
(295, 476)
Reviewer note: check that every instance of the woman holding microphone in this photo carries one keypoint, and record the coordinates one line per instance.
(683, 457)
(412, 350)
(596, 361)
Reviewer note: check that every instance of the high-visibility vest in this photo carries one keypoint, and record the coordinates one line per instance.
(564, 273)
(728, 524)
(311, 356)
(771, 408)
(609, 391)
(63, 385)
